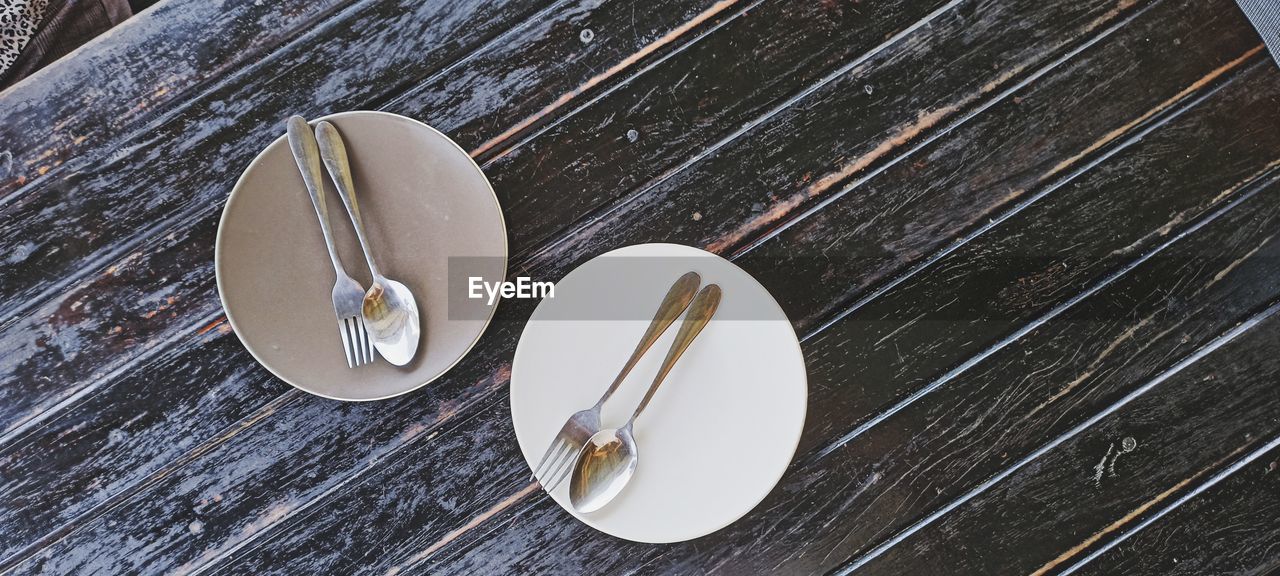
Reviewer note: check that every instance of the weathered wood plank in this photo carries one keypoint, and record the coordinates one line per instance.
(1231, 528)
(62, 327)
(1091, 102)
(282, 459)
(916, 460)
(100, 452)
(628, 139)
(515, 74)
(21, 408)
(312, 415)
(167, 175)
(985, 291)
(569, 58)
(115, 314)
(836, 130)
(1192, 424)
(408, 510)
(67, 116)
(487, 73)
(154, 296)
(334, 515)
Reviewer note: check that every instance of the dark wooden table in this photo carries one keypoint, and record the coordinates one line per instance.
(1030, 247)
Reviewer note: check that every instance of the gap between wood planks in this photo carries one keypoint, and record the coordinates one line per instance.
(603, 213)
(151, 100)
(781, 224)
(1185, 498)
(201, 565)
(1254, 184)
(15, 433)
(1169, 111)
(1135, 513)
(186, 217)
(628, 62)
(1190, 359)
(1131, 132)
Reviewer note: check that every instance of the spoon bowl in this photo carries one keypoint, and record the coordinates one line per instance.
(604, 467)
(389, 312)
(391, 316)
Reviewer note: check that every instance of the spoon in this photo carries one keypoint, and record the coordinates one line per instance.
(609, 458)
(389, 310)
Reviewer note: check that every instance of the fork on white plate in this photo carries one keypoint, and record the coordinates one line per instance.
(558, 461)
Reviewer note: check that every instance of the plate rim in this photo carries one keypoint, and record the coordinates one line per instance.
(794, 444)
(258, 159)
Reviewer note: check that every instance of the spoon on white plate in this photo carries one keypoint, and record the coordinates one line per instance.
(609, 458)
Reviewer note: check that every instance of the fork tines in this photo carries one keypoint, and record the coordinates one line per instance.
(355, 342)
(558, 468)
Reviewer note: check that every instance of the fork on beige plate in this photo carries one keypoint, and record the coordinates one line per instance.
(348, 295)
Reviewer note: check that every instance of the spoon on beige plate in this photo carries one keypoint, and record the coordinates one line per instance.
(389, 310)
(610, 456)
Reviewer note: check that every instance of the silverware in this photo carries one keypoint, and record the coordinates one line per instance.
(389, 310)
(557, 462)
(347, 293)
(609, 457)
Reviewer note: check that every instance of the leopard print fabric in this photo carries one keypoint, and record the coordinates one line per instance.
(18, 22)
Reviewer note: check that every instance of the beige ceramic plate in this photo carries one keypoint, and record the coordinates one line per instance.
(425, 205)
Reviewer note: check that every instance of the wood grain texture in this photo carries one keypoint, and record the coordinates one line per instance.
(743, 188)
(922, 455)
(536, 45)
(1015, 150)
(1230, 528)
(416, 45)
(1194, 421)
(165, 318)
(21, 409)
(993, 288)
(378, 483)
(176, 175)
(630, 139)
(21, 336)
(304, 498)
(68, 116)
(175, 252)
(994, 222)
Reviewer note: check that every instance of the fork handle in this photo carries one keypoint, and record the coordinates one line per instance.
(700, 312)
(307, 155)
(333, 151)
(673, 305)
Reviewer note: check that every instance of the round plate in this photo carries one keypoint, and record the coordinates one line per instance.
(423, 201)
(725, 424)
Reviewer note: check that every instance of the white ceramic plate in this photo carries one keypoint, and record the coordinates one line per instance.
(428, 211)
(725, 424)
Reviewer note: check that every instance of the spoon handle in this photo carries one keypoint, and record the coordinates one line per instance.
(334, 153)
(700, 312)
(673, 305)
(302, 142)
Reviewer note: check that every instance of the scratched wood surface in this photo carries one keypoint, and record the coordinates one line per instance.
(1030, 248)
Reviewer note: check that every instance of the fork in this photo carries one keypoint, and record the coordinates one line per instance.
(348, 295)
(557, 462)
